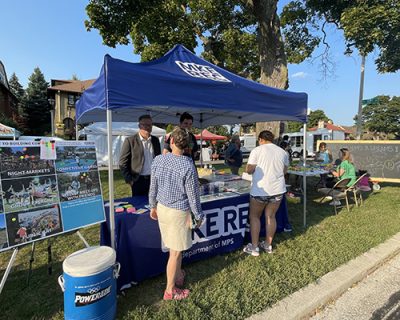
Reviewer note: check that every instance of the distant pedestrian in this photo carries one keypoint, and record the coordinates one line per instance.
(233, 155)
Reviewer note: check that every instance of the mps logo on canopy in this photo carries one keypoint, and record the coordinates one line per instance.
(201, 71)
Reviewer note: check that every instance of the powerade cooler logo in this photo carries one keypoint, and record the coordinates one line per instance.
(93, 295)
(201, 71)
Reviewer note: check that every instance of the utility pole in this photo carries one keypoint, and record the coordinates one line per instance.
(360, 98)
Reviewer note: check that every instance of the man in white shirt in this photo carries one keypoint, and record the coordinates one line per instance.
(268, 164)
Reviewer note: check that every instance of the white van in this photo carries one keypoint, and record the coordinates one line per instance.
(296, 140)
(248, 142)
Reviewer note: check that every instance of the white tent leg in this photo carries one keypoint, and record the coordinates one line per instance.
(304, 175)
(8, 269)
(111, 178)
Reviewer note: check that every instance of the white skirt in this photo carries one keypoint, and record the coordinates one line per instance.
(174, 227)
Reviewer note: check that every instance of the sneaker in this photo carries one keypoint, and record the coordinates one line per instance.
(335, 203)
(176, 294)
(267, 248)
(287, 229)
(249, 249)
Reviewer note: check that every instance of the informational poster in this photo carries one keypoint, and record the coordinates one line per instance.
(41, 197)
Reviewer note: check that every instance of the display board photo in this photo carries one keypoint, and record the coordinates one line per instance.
(41, 197)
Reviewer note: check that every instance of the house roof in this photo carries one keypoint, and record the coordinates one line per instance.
(73, 86)
(332, 127)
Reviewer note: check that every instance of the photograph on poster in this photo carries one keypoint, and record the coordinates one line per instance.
(26, 226)
(76, 158)
(78, 185)
(30, 192)
(19, 161)
(3, 232)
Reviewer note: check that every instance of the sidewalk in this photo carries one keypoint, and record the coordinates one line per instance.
(303, 303)
(375, 297)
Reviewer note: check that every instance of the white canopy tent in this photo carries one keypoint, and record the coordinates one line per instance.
(7, 132)
(97, 132)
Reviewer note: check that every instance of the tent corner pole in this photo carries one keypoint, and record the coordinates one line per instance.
(304, 175)
(110, 178)
(201, 140)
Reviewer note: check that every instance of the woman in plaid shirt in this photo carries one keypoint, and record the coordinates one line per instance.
(174, 193)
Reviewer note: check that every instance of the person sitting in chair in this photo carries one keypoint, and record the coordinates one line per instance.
(346, 168)
(324, 156)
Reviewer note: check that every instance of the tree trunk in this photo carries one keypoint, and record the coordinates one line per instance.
(273, 62)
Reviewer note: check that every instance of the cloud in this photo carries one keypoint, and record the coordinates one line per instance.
(299, 75)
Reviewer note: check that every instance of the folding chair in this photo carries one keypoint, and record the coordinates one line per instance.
(337, 192)
(356, 190)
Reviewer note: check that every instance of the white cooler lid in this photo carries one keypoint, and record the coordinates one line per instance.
(89, 261)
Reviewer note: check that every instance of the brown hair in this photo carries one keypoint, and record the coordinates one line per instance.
(144, 116)
(345, 155)
(266, 135)
(181, 138)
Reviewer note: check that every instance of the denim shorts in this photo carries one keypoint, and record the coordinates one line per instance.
(268, 199)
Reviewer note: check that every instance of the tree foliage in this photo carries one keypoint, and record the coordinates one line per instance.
(382, 116)
(219, 130)
(17, 89)
(313, 119)
(241, 36)
(37, 108)
(367, 25)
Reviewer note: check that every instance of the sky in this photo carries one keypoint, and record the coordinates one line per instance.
(50, 34)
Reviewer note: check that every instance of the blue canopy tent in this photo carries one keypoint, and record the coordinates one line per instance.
(177, 82)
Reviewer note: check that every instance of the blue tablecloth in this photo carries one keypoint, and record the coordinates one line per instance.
(138, 240)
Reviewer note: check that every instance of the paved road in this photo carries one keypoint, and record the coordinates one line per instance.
(375, 297)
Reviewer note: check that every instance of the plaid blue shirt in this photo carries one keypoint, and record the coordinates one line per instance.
(175, 184)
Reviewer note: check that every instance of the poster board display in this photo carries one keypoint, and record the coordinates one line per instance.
(381, 159)
(40, 198)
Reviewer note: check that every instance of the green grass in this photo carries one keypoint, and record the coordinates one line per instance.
(231, 286)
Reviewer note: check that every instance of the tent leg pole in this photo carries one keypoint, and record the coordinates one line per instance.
(111, 178)
(7, 272)
(87, 245)
(304, 175)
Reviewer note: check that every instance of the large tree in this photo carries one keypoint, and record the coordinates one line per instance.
(367, 25)
(18, 90)
(241, 36)
(37, 108)
(382, 115)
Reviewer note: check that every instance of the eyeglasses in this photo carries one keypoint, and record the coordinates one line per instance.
(147, 125)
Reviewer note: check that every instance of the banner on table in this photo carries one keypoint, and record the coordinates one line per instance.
(222, 231)
(40, 198)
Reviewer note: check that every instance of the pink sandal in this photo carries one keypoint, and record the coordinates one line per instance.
(181, 280)
(176, 294)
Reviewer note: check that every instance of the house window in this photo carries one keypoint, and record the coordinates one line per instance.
(71, 100)
(69, 124)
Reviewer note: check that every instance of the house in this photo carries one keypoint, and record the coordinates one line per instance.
(63, 95)
(8, 101)
(335, 130)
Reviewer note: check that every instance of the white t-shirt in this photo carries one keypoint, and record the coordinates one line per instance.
(268, 177)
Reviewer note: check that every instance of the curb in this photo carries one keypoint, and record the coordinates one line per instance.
(303, 303)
